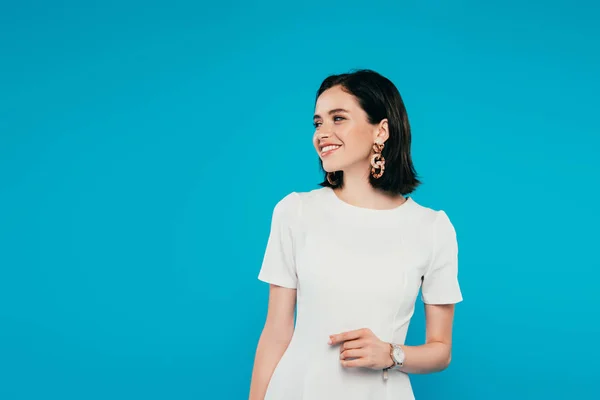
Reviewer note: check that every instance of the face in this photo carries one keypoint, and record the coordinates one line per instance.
(343, 136)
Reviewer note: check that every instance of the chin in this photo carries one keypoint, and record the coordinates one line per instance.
(331, 168)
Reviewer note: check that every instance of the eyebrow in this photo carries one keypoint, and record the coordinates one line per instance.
(335, 110)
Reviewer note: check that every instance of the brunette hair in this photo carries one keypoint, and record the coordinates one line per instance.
(380, 99)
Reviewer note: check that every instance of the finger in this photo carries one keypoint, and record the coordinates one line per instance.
(352, 353)
(353, 344)
(357, 362)
(344, 336)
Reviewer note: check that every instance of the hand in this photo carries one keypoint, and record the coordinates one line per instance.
(362, 348)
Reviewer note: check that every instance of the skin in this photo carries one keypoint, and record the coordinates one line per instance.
(274, 339)
(359, 348)
(352, 130)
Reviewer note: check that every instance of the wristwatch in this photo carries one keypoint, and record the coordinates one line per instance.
(397, 356)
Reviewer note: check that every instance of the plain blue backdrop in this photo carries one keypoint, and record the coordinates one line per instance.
(143, 146)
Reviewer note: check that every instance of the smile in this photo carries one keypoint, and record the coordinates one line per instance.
(327, 150)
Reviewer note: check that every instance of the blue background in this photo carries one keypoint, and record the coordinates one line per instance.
(143, 146)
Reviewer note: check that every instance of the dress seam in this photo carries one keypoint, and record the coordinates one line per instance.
(395, 318)
(433, 243)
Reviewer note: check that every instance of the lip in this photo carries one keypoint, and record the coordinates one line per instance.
(330, 151)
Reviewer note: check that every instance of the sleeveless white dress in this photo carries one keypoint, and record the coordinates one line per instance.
(353, 268)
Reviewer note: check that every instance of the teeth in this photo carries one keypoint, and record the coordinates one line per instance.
(327, 148)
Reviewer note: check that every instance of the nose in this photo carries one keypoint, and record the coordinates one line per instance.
(322, 134)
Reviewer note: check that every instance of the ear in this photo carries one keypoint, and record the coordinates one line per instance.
(382, 133)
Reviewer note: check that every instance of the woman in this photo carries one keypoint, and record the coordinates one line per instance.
(351, 257)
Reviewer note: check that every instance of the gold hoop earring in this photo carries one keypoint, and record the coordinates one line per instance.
(330, 178)
(377, 161)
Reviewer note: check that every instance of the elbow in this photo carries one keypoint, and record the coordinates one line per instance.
(444, 357)
(445, 362)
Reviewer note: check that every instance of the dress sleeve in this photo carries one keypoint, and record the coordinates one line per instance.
(440, 282)
(278, 265)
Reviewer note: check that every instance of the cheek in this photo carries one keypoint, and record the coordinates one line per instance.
(356, 144)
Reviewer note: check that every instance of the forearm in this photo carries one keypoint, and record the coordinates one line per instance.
(269, 351)
(426, 358)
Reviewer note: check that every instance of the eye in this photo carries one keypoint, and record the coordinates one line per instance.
(336, 118)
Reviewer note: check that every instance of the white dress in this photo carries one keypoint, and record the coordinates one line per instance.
(353, 268)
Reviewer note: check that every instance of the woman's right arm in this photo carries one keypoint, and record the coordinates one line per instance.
(274, 339)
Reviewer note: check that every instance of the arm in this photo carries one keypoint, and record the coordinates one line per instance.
(274, 339)
(362, 348)
(440, 293)
(435, 354)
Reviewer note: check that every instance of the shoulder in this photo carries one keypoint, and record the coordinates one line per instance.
(433, 220)
(427, 215)
(293, 205)
(301, 199)
(288, 207)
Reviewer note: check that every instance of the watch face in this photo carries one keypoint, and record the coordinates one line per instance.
(398, 355)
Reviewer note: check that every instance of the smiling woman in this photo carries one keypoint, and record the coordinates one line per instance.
(351, 257)
(347, 109)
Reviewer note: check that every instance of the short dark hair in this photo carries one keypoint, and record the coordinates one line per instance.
(380, 99)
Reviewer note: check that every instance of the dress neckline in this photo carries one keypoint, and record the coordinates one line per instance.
(364, 210)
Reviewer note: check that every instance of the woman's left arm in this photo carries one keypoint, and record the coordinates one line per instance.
(436, 353)
(440, 292)
(362, 348)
